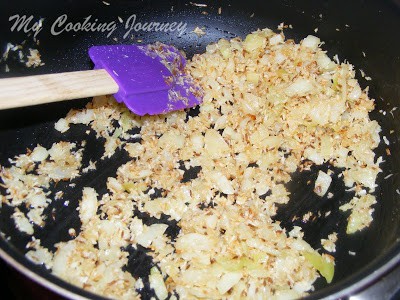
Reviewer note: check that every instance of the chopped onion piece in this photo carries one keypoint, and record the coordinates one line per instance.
(311, 42)
(157, 284)
(194, 242)
(215, 144)
(299, 87)
(22, 223)
(253, 41)
(39, 154)
(62, 125)
(150, 233)
(227, 281)
(88, 205)
(322, 183)
(222, 183)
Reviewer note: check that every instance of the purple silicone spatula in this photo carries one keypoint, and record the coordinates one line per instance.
(148, 79)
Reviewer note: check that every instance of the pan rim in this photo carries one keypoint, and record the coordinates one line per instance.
(20, 263)
(349, 286)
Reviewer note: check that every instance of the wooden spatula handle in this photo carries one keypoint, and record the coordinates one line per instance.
(34, 90)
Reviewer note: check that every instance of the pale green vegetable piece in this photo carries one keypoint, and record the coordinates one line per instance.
(238, 264)
(117, 133)
(324, 267)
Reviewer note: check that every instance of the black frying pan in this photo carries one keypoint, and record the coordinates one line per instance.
(348, 28)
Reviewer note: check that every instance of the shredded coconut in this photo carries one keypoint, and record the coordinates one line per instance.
(270, 107)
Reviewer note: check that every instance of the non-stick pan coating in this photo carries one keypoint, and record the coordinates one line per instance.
(348, 29)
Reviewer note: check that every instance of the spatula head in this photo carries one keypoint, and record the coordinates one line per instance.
(151, 78)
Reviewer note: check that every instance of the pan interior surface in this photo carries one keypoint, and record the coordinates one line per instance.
(362, 32)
